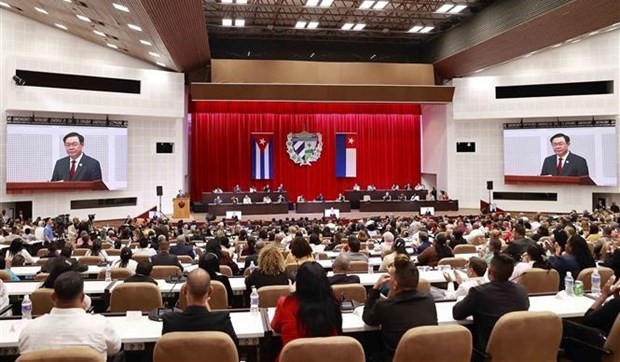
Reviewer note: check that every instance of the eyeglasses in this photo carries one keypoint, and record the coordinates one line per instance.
(74, 144)
(558, 144)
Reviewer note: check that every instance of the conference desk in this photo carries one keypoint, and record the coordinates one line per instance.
(28, 272)
(209, 197)
(314, 207)
(356, 196)
(19, 289)
(258, 208)
(413, 206)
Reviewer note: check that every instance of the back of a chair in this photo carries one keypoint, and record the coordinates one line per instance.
(117, 273)
(269, 295)
(79, 252)
(291, 267)
(446, 343)
(134, 245)
(185, 259)
(538, 280)
(226, 270)
(424, 286)
(139, 258)
(42, 261)
(355, 292)
(219, 297)
(192, 346)
(42, 252)
(72, 354)
(113, 252)
(585, 276)
(90, 260)
(512, 336)
(106, 246)
(247, 272)
(42, 301)
(4, 276)
(358, 266)
(323, 256)
(321, 349)
(164, 271)
(41, 277)
(135, 296)
(464, 249)
(455, 262)
(613, 343)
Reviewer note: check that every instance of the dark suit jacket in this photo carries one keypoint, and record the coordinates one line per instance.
(183, 250)
(139, 278)
(398, 314)
(573, 166)
(518, 247)
(87, 170)
(166, 259)
(343, 279)
(487, 303)
(198, 319)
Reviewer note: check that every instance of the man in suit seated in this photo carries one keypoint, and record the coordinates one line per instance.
(197, 317)
(143, 273)
(182, 247)
(164, 257)
(341, 266)
(563, 162)
(354, 246)
(76, 166)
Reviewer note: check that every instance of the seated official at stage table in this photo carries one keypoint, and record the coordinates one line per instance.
(76, 166)
(563, 162)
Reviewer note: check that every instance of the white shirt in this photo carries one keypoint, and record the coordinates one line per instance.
(247, 200)
(39, 233)
(145, 251)
(464, 287)
(4, 298)
(557, 158)
(77, 162)
(131, 264)
(102, 255)
(71, 327)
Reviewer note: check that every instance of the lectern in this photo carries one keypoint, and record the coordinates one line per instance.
(58, 186)
(180, 207)
(549, 180)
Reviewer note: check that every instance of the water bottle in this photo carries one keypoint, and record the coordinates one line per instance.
(252, 267)
(254, 300)
(27, 307)
(596, 283)
(371, 270)
(108, 273)
(569, 284)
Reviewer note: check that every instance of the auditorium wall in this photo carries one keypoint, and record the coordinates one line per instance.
(155, 115)
(476, 116)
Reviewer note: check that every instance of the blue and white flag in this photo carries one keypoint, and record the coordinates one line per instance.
(262, 156)
(346, 154)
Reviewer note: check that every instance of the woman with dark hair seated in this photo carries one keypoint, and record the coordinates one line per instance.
(301, 251)
(17, 248)
(65, 256)
(209, 262)
(576, 257)
(405, 307)
(440, 249)
(311, 311)
(216, 246)
(96, 250)
(126, 261)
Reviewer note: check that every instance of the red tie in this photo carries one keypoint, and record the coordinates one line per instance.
(559, 166)
(72, 170)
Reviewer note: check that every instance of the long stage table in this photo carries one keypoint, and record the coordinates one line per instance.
(250, 209)
(208, 197)
(413, 206)
(312, 207)
(356, 196)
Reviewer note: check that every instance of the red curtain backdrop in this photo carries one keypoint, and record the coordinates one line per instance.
(388, 150)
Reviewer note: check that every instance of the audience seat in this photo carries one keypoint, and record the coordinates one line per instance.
(464, 249)
(117, 273)
(113, 252)
(291, 268)
(455, 263)
(42, 252)
(424, 286)
(90, 260)
(538, 280)
(586, 276)
(106, 246)
(193, 346)
(42, 261)
(41, 277)
(4, 276)
(226, 270)
(218, 299)
(73, 354)
(355, 292)
(139, 258)
(135, 296)
(79, 252)
(164, 271)
(613, 343)
(42, 301)
(185, 259)
(446, 343)
(269, 295)
(525, 336)
(322, 256)
(320, 349)
(134, 245)
(247, 272)
(358, 266)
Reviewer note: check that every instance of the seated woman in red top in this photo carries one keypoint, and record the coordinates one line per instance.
(312, 310)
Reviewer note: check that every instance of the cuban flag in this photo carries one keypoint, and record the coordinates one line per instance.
(346, 155)
(262, 156)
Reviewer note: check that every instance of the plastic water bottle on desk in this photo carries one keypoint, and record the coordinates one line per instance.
(252, 267)
(596, 283)
(569, 284)
(254, 300)
(108, 273)
(27, 307)
(371, 270)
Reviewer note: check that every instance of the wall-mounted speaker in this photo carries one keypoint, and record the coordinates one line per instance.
(164, 147)
(489, 185)
(465, 147)
(160, 190)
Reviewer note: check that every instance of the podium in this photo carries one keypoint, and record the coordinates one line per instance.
(549, 180)
(180, 207)
(57, 186)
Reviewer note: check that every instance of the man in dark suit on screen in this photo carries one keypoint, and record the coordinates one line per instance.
(76, 166)
(563, 162)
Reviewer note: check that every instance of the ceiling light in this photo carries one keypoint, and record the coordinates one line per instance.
(312, 55)
(594, 33)
(416, 29)
(61, 26)
(145, 42)
(100, 33)
(227, 22)
(161, 64)
(373, 56)
(427, 29)
(238, 2)
(226, 1)
(556, 45)
(312, 3)
(380, 5)
(373, 4)
(326, 3)
(457, 9)
(83, 18)
(359, 27)
(242, 2)
(300, 25)
(42, 11)
(313, 24)
(239, 23)
(4, 4)
(120, 7)
(444, 8)
(154, 54)
(67, 1)
(367, 4)
(112, 46)
(347, 26)
(134, 27)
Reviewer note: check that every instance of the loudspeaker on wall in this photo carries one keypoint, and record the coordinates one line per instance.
(489, 185)
(160, 191)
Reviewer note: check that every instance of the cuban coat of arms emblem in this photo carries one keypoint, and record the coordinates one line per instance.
(304, 147)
